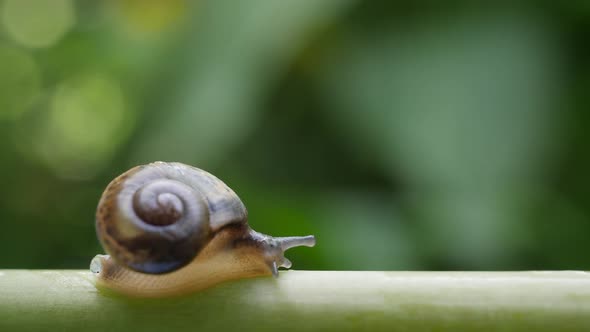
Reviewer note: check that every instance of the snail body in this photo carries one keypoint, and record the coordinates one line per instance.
(170, 228)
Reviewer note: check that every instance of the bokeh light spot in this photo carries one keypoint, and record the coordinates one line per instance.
(19, 81)
(148, 18)
(88, 119)
(37, 23)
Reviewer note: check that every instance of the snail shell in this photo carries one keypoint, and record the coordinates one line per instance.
(170, 228)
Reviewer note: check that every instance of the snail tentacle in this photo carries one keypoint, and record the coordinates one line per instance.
(287, 243)
(275, 247)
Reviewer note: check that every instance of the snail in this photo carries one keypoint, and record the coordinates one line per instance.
(170, 229)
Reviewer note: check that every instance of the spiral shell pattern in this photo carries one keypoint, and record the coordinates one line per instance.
(156, 218)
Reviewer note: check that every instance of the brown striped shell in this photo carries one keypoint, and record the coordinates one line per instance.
(157, 217)
(170, 228)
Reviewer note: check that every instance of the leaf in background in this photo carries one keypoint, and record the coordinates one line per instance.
(239, 49)
(361, 231)
(463, 107)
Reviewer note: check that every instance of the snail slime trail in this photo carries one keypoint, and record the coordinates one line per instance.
(171, 229)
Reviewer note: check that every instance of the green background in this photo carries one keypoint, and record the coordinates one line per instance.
(404, 136)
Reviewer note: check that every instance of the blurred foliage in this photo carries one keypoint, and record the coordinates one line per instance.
(404, 136)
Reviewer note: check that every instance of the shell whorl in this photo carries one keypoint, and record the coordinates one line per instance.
(156, 218)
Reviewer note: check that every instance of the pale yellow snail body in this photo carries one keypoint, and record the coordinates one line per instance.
(171, 229)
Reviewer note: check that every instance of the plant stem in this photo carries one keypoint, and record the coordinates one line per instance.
(52, 300)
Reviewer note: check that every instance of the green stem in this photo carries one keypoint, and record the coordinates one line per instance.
(41, 300)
